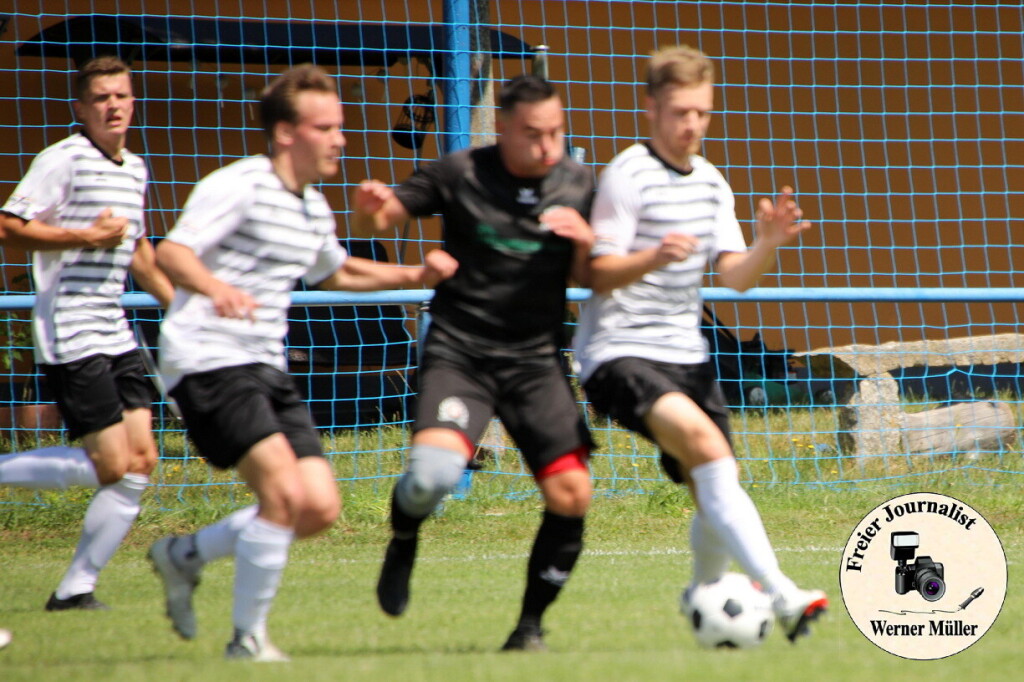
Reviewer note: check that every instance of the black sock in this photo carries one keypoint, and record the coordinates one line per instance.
(555, 551)
(405, 527)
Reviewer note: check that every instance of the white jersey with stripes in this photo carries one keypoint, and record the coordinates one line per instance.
(78, 311)
(254, 234)
(640, 199)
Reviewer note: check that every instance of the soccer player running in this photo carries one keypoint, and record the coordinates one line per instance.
(514, 219)
(247, 233)
(79, 208)
(661, 216)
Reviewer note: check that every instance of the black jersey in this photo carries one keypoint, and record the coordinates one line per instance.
(508, 294)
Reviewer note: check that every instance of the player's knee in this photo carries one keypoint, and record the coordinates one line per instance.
(432, 473)
(316, 518)
(110, 470)
(144, 460)
(566, 485)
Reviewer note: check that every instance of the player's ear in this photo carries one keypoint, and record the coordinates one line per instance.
(649, 107)
(284, 133)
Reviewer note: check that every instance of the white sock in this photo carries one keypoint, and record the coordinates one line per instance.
(731, 514)
(260, 557)
(710, 556)
(110, 515)
(216, 540)
(54, 468)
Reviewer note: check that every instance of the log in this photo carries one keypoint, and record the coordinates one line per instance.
(971, 427)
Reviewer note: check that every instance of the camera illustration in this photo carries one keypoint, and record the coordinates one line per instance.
(923, 575)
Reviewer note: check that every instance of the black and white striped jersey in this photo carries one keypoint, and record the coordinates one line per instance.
(640, 199)
(78, 310)
(254, 234)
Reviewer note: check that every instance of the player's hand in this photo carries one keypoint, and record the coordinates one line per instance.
(231, 302)
(106, 231)
(780, 222)
(675, 247)
(370, 196)
(438, 266)
(568, 223)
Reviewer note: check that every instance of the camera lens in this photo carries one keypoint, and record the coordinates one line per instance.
(930, 585)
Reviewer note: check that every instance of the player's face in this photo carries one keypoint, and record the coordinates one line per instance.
(105, 109)
(532, 137)
(679, 118)
(317, 136)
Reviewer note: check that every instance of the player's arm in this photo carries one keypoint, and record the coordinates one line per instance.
(568, 223)
(375, 208)
(612, 271)
(363, 274)
(184, 269)
(151, 278)
(105, 232)
(777, 224)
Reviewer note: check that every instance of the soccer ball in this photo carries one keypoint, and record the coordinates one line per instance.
(731, 612)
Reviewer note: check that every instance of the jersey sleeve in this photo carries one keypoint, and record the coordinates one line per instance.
(728, 235)
(423, 194)
(614, 213)
(214, 210)
(330, 257)
(43, 190)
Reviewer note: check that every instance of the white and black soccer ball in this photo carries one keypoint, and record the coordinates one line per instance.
(731, 612)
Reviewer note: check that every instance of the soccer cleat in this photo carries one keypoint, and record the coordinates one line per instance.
(795, 611)
(5, 637)
(525, 638)
(253, 647)
(83, 602)
(393, 585)
(179, 584)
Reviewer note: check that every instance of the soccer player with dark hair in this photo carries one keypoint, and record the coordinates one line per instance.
(661, 216)
(247, 233)
(514, 218)
(79, 208)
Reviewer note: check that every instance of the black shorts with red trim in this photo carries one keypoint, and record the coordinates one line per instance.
(532, 397)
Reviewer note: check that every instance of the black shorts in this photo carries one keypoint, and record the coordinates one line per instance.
(92, 393)
(229, 410)
(626, 389)
(532, 398)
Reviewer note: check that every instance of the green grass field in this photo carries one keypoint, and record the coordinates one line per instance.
(616, 620)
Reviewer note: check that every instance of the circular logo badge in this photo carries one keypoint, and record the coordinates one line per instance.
(923, 576)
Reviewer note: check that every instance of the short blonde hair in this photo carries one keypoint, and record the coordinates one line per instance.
(678, 66)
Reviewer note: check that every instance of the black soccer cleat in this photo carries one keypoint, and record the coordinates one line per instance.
(525, 638)
(393, 585)
(82, 602)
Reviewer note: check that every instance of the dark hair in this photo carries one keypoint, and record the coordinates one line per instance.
(682, 66)
(107, 65)
(277, 101)
(525, 88)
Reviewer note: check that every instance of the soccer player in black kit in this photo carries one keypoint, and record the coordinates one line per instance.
(514, 220)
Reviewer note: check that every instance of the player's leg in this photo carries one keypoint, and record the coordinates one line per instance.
(105, 400)
(690, 433)
(230, 415)
(436, 462)
(540, 413)
(453, 408)
(271, 470)
(124, 447)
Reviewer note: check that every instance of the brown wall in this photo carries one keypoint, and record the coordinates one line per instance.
(898, 125)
